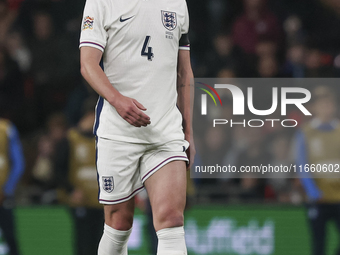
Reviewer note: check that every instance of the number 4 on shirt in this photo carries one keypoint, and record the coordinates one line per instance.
(147, 51)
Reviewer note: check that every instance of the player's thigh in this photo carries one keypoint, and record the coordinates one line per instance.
(119, 180)
(167, 192)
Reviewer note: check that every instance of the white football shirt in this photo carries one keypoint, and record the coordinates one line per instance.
(140, 43)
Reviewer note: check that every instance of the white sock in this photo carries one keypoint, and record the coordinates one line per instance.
(113, 242)
(171, 241)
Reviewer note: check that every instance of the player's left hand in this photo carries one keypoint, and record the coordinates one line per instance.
(191, 151)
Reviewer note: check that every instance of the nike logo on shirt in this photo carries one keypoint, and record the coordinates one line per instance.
(122, 20)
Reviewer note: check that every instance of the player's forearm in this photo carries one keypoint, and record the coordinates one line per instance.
(97, 79)
(128, 108)
(185, 100)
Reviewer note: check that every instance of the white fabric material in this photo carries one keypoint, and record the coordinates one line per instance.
(129, 165)
(114, 242)
(171, 241)
(126, 32)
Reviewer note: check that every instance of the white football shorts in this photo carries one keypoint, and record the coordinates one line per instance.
(123, 167)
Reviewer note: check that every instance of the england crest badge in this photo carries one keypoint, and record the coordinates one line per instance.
(108, 184)
(169, 20)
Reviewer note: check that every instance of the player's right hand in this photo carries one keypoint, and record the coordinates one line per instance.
(131, 111)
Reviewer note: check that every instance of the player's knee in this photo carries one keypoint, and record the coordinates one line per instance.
(119, 219)
(169, 217)
(122, 225)
(120, 222)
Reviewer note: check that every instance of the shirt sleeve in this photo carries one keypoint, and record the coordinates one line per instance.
(184, 43)
(94, 24)
(17, 161)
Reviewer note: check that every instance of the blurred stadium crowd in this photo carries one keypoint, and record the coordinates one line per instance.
(43, 94)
